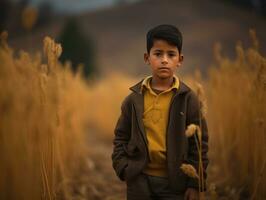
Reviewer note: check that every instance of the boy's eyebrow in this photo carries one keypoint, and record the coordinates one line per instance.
(170, 51)
(158, 50)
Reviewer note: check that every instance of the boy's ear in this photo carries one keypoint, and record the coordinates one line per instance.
(181, 58)
(146, 58)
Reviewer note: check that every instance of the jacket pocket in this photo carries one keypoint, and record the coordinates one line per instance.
(131, 150)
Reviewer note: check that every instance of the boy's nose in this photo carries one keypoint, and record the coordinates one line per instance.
(164, 59)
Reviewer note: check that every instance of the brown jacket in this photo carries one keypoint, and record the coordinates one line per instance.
(130, 154)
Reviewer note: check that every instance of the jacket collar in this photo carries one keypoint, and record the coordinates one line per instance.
(138, 102)
(137, 88)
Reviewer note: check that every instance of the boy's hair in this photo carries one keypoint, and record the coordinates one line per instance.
(166, 32)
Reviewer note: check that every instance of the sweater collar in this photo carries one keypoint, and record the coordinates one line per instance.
(146, 83)
(178, 84)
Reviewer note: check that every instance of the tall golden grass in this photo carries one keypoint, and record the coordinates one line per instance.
(107, 93)
(236, 101)
(45, 112)
(42, 126)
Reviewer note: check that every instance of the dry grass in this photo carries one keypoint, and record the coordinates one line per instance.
(236, 100)
(108, 93)
(45, 111)
(42, 126)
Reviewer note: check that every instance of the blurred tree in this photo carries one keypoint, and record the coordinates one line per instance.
(243, 2)
(45, 13)
(23, 3)
(16, 24)
(77, 48)
(240, 2)
(4, 11)
(258, 5)
(120, 2)
(29, 17)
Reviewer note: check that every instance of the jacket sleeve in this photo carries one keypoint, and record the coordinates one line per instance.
(121, 137)
(194, 116)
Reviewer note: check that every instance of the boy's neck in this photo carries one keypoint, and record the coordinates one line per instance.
(161, 84)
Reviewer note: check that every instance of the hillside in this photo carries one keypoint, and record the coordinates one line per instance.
(119, 32)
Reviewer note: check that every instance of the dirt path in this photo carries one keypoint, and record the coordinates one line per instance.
(100, 181)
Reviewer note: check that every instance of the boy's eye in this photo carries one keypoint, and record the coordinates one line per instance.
(160, 54)
(171, 55)
(157, 54)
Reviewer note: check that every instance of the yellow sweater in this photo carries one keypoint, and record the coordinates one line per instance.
(155, 119)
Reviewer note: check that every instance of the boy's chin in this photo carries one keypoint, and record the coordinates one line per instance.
(164, 76)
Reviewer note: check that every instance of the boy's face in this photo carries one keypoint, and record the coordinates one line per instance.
(164, 59)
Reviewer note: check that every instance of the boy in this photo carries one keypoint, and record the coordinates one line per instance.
(150, 143)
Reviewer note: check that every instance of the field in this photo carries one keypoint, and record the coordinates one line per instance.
(56, 129)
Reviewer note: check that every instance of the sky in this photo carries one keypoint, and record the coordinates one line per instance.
(73, 6)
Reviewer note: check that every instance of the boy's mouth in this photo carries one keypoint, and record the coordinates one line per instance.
(163, 68)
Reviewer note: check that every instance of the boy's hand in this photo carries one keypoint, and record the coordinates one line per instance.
(191, 194)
